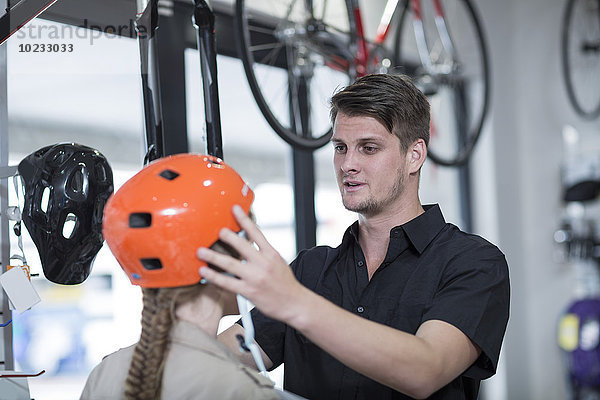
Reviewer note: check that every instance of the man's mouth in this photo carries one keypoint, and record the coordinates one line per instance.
(352, 184)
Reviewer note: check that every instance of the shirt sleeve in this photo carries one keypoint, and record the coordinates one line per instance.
(87, 389)
(474, 296)
(95, 388)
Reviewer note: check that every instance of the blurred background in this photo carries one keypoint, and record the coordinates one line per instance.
(92, 95)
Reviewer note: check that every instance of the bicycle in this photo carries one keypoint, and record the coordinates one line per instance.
(296, 53)
(580, 49)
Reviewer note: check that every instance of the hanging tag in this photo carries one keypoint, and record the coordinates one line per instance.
(19, 289)
(25, 268)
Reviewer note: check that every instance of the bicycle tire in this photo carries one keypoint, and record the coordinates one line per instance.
(580, 50)
(332, 44)
(470, 78)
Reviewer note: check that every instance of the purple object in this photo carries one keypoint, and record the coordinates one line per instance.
(583, 350)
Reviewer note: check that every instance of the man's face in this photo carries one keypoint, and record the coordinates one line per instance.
(369, 164)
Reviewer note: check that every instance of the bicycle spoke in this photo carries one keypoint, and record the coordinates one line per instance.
(279, 94)
(323, 9)
(271, 56)
(266, 46)
(257, 29)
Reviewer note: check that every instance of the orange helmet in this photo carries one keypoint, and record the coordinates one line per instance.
(157, 220)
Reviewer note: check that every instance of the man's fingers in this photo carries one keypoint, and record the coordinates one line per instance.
(250, 227)
(223, 261)
(221, 280)
(241, 245)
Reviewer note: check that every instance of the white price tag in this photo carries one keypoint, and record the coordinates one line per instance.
(19, 289)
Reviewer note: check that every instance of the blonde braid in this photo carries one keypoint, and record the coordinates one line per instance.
(144, 380)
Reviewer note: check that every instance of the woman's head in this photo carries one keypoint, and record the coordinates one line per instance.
(153, 225)
(155, 222)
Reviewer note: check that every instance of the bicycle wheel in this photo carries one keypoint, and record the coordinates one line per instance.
(295, 55)
(581, 56)
(447, 59)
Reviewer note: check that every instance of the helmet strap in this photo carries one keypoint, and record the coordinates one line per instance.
(14, 214)
(244, 307)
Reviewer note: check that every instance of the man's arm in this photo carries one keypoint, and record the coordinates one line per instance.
(229, 338)
(416, 365)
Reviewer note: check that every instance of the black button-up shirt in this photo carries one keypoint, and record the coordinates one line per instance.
(432, 270)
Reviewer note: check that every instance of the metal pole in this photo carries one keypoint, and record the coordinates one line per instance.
(7, 360)
(146, 25)
(174, 20)
(204, 22)
(304, 170)
(464, 171)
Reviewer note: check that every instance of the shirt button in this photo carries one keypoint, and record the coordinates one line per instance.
(360, 309)
(360, 263)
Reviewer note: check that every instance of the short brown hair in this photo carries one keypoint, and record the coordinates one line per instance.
(391, 99)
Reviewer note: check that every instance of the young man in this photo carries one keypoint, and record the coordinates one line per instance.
(408, 305)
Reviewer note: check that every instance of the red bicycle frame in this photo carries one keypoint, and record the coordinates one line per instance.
(383, 29)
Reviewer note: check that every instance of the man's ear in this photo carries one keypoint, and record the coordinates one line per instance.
(417, 153)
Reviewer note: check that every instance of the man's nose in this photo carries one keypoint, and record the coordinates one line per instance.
(350, 163)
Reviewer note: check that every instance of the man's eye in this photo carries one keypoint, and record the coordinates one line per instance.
(339, 148)
(370, 149)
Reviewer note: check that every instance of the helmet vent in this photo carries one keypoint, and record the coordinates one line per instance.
(58, 158)
(45, 201)
(151, 263)
(168, 174)
(78, 181)
(101, 173)
(70, 225)
(98, 210)
(140, 220)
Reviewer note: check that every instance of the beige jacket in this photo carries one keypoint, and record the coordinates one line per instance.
(197, 367)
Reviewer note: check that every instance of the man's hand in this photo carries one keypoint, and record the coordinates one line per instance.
(262, 276)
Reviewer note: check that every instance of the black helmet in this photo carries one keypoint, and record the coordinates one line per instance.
(66, 187)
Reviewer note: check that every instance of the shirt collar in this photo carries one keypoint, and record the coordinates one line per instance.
(420, 230)
(191, 335)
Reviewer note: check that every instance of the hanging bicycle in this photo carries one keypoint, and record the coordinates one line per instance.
(296, 53)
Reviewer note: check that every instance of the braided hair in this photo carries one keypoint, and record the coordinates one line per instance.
(144, 380)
